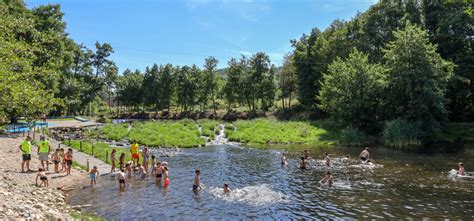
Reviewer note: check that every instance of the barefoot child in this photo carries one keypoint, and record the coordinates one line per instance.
(94, 174)
(62, 154)
(145, 156)
(122, 161)
(141, 171)
(197, 181)
(42, 176)
(306, 154)
(159, 172)
(327, 180)
(128, 168)
(68, 158)
(112, 159)
(226, 188)
(56, 160)
(121, 178)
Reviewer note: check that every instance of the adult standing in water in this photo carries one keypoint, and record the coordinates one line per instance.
(44, 148)
(145, 156)
(134, 151)
(25, 148)
(364, 155)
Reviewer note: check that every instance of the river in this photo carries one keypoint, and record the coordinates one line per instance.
(402, 185)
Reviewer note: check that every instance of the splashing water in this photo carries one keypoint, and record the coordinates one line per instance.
(253, 195)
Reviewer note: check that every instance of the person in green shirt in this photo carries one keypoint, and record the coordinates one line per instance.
(25, 148)
(44, 148)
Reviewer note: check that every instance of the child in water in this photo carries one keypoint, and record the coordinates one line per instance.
(303, 163)
(122, 161)
(94, 174)
(166, 176)
(461, 170)
(306, 154)
(141, 171)
(153, 165)
(112, 160)
(56, 160)
(159, 172)
(327, 160)
(284, 161)
(327, 179)
(197, 180)
(42, 175)
(226, 188)
(121, 178)
(128, 168)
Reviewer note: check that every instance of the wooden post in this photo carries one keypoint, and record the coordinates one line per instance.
(106, 156)
(87, 166)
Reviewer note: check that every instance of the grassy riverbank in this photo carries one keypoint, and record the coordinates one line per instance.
(102, 151)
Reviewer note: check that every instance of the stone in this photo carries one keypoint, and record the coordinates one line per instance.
(38, 206)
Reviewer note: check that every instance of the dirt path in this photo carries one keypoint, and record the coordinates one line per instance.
(21, 198)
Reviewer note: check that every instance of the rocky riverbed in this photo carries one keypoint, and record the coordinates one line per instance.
(21, 198)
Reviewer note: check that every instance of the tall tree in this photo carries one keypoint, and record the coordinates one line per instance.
(417, 78)
(209, 87)
(352, 91)
(288, 81)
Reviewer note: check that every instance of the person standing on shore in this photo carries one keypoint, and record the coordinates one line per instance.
(25, 148)
(44, 148)
(122, 161)
(68, 158)
(62, 154)
(94, 175)
(112, 159)
(134, 151)
(364, 155)
(56, 160)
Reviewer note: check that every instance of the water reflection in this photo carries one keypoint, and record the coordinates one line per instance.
(400, 185)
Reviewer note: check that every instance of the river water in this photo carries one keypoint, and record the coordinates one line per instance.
(401, 185)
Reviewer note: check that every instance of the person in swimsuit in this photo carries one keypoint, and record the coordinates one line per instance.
(306, 154)
(122, 178)
(145, 156)
(25, 148)
(153, 165)
(62, 154)
(303, 164)
(142, 171)
(68, 158)
(197, 180)
(166, 176)
(56, 160)
(128, 168)
(226, 188)
(283, 159)
(461, 170)
(122, 161)
(112, 160)
(42, 176)
(327, 160)
(94, 174)
(364, 155)
(327, 179)
(159, 172)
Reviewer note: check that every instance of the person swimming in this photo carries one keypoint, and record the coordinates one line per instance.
(303, 163)
(226, 188)
(461, 170)
(364, 155)
(327, 180)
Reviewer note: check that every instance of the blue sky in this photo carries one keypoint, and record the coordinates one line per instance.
(185, 32)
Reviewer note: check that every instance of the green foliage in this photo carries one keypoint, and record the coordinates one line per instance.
(263, 131)
(352, 91)
(115, 131)
(351, 137)
(209, 128)
(401, 133)
(102, 151)
(417, 79)
(130, 88)
(288, 81)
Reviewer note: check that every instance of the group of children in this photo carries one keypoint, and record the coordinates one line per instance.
(44, 154)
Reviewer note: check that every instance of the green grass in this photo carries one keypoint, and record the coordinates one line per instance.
(101, 150)
(454, 131)
(267, 131)
(76, 164)
(183, 133)
(209, 128)
(115, 131)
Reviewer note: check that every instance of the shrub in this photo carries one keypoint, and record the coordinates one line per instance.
(352, 137)
(401, 133)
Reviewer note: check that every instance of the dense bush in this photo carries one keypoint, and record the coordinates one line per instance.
(352, 137)
(401, 133)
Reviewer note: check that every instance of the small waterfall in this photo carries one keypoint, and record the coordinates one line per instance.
(220, 138)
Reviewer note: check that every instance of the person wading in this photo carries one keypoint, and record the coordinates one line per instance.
(44, 148)
(25, 148)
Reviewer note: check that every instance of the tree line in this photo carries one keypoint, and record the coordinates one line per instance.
(404, 63)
